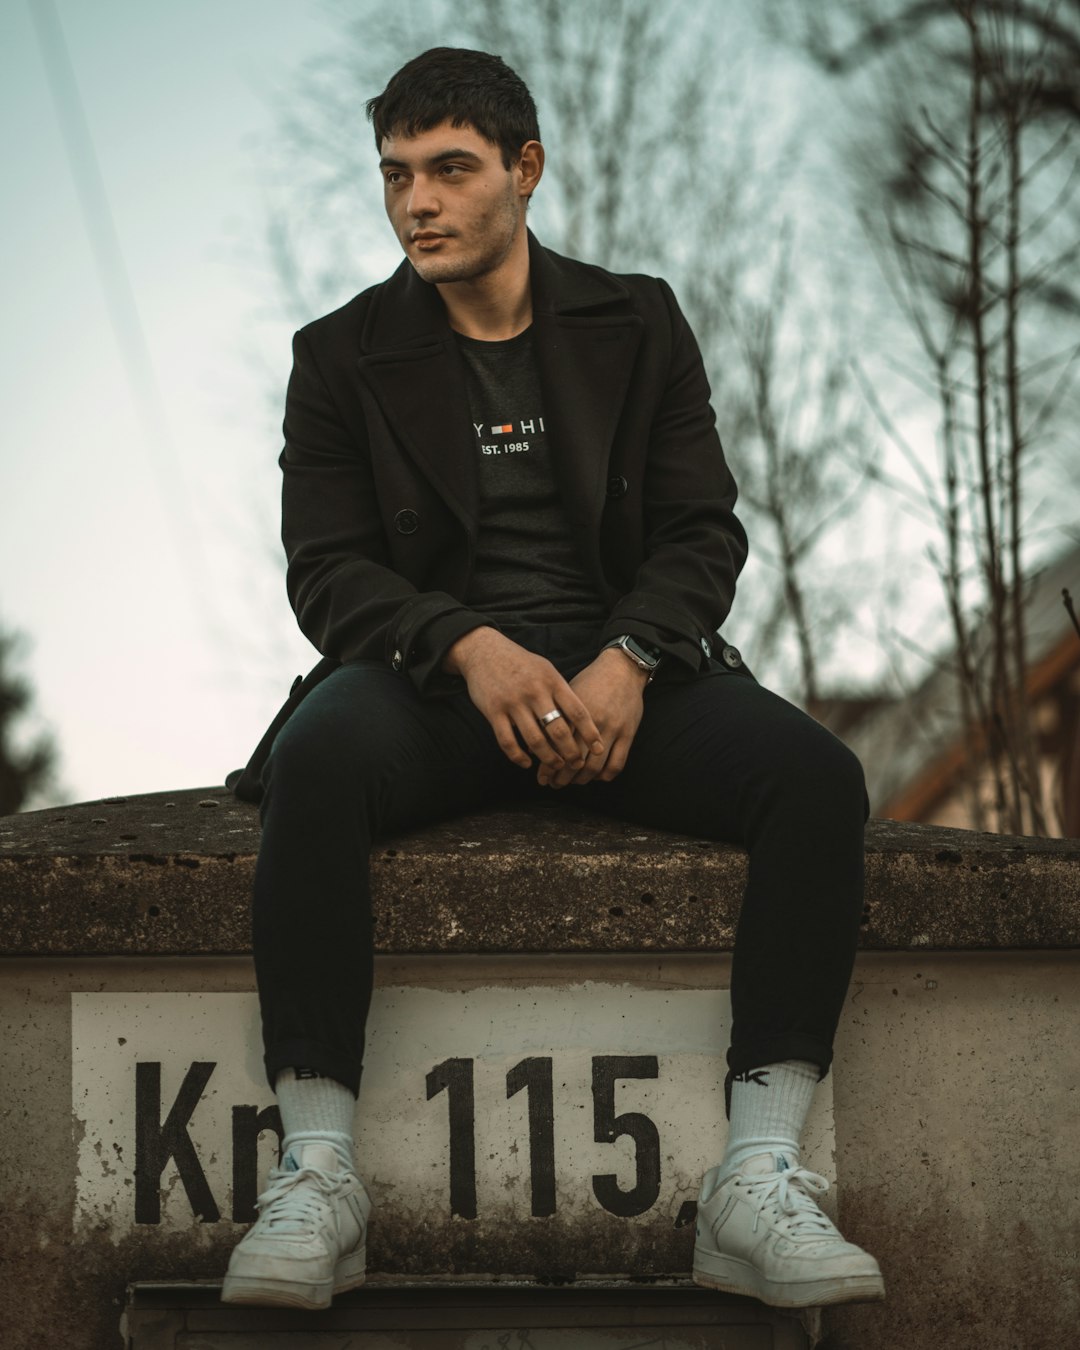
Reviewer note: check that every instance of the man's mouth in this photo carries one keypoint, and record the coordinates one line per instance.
(427, 239)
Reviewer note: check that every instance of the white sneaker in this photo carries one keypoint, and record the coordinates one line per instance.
(310, 1239)
(760, 1232)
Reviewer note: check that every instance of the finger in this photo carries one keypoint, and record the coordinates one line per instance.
(562, 736)
(564, 777)
(575, 723)
(531, 732)
(582, 748)
(576, 712)
(616, 761)
(561, 778)
(508, 742)
(577, 761)
(593, 769)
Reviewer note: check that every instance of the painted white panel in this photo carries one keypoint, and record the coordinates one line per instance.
(403, 1147)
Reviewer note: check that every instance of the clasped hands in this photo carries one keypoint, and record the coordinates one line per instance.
(515, 689)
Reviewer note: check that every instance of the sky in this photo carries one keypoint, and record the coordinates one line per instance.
(138, 480)
(132, 555)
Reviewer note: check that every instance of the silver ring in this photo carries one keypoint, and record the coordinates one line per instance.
(550, 717)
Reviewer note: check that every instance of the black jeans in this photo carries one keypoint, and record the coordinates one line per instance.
(365, 756)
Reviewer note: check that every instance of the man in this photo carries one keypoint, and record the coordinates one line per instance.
(508, 517)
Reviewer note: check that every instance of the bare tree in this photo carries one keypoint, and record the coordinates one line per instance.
(971, 193)
(807, 445)
(654, 164)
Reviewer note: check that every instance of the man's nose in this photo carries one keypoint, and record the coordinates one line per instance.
(422, 199)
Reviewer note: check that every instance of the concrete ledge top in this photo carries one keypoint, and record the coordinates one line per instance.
(169, 873)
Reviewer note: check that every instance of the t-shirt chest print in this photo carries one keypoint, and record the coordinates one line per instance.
(527, 568)
(508, 419)
(532, 426)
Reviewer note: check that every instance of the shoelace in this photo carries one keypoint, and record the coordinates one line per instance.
(289, 1207)
(792, 1192)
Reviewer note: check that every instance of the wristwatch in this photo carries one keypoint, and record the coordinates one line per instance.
(645, 658)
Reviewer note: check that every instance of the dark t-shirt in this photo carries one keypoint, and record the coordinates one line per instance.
(527, 568)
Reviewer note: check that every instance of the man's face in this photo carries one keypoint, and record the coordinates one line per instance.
(454, 206)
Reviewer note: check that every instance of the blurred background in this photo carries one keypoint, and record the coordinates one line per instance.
(869, 210)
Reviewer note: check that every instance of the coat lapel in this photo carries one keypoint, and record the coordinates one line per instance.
(585, 366)
(412, 366)
(586, 340)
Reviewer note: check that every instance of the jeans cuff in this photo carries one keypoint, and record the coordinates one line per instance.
(328, 1060)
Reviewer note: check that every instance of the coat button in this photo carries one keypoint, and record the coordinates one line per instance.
(705, 647)
(731, 656)
(396, 660)
(617, 487)
(406, 522)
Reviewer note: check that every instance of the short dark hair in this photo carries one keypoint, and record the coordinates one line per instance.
(464, 88)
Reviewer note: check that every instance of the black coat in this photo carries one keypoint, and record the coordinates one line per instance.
(380, 491)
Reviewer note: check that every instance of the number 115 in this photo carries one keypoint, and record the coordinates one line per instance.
(534, 1076)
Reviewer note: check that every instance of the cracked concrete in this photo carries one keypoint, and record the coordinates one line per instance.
(170, 873)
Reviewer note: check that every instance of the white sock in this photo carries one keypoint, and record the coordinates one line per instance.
(315, 1108)
(768, 1111)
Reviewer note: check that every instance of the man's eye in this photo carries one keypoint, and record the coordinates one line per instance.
(449, 169)
(393, 178)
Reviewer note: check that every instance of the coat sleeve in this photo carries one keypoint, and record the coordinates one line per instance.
(694, 544)
(348, 600)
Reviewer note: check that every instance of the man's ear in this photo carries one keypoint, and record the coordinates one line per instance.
(530, 167)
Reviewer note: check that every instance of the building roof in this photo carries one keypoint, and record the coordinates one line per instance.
(913, 749)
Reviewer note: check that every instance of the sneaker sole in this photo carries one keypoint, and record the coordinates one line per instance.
(252, 1290)
(732, 1276)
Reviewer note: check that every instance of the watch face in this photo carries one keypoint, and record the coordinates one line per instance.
(648, 656)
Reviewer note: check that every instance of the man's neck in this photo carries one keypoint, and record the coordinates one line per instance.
(496, 306)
